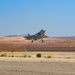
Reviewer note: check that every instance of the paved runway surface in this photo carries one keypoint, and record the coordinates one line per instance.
(36, 68)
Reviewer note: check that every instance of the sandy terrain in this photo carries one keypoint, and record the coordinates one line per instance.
(50, 44)
(34, 66)
(59, 55)
(55, 56)
(59, 64)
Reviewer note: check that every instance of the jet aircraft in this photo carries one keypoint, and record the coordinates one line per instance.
(39, 35)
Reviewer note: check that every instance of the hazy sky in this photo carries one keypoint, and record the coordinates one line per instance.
(57, 17)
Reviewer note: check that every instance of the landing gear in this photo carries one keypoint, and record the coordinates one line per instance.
(32, 41)
(42, 41)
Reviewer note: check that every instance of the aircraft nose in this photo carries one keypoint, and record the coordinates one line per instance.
(42, 30)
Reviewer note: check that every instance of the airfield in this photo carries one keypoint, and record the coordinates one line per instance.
(61, 50)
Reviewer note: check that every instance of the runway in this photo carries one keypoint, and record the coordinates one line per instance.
(19, 66)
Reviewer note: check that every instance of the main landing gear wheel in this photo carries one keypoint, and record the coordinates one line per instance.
(32, 41)
(42, 41)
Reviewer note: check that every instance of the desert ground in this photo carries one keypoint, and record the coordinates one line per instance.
(58, 64)
(36, 66)
(61, 62)
(50, 44)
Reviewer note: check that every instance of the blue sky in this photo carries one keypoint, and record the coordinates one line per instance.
(57, 17)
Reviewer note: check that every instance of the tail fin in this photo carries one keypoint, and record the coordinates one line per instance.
(28, 34)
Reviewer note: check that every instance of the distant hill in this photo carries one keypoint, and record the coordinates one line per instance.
(22, 35)
(69, 37)
(18, 43)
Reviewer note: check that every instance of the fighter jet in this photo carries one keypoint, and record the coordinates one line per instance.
(39, 35)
